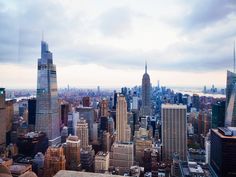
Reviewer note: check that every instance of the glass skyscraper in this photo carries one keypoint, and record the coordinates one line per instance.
(47, 106)
(230, 116)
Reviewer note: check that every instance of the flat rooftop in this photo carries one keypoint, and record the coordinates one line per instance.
(67, 173)
(173, 106)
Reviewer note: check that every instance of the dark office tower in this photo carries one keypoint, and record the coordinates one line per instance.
(86, 101)
(31, 112)
(218, 114)
(64, 114)
(2, 119)
(115, 100)
(104, 108)
(223, 154)
(195, 101)
(230, 114)
(47, 107)
(146, 93)
(104, 124)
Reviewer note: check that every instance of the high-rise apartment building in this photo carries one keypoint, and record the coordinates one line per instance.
(54, 161)
(121, 118)
(174, 131)
(218, 114)
(146, 93)
(196, 101)
(223, 154)
(101, 162)
(230, 114)
(104, 108)
(2, 118)
(82, 132)
(122, 156)
(47, 107)
(72, 153)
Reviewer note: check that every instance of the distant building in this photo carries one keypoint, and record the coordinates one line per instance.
(2, 119)
(101, 162)
(104, 108)
(146, 94)
(64, 114)
(87, 159)
(196, 101)
(122, 156)
(54, 161)
(140, 145)
(223, 156)
(218, 114)
(31, 113)
(86, 101)
(32, 143)
(47, 107)
(89, 115)
(174, 131)
(122, 128)
(72, 153)
(82, 133)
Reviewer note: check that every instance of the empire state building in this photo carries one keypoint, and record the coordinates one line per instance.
(146, 94)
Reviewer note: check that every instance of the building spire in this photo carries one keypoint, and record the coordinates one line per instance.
(145, 66)
(234, 56)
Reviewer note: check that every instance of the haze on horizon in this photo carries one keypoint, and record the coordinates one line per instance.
(106, 43)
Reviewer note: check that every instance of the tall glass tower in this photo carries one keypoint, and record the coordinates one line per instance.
(146, 93)
(230, 114)
(47, 106)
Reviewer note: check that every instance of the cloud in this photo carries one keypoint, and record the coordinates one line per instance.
(83, 36)
(203, 14)
(116, 22)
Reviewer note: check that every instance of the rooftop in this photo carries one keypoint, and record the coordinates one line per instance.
(66, 173)
(174, 106)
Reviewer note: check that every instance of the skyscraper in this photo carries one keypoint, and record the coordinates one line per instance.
(82, 132)
(47, 107)
(121, 117)
(146, 93)
(230, 115)
(230, 106)
(174, 131)
(223, 156)
(218, 114)
(72, 153)
(2, 118)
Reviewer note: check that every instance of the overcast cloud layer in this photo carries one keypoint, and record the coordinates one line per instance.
(172, 35)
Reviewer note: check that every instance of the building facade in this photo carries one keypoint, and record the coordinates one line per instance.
(2, 118)
(174, 131)
(72, 153)
(223, 154)
(47, 106)
(82, 132)
(146, 93)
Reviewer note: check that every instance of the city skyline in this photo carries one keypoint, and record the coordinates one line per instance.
(192, 41)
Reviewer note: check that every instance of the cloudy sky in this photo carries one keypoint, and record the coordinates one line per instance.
(106, 43)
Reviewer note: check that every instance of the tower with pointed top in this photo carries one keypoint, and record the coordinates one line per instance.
(47, 107)
(146, 93)
(230, 114)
